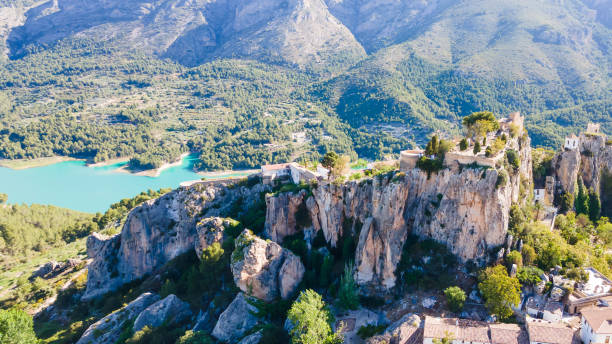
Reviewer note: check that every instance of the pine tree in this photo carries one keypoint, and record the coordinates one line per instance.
(582, 199)
(594, 206)
(476, 147)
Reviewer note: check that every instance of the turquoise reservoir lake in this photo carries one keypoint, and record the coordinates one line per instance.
(73, 185)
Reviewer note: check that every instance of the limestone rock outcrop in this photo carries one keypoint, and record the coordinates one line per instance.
(590, 161)
(209, 231)
(108, 329)
(285, 209)
(467, 210)
(170, 310)
(236, 320)
(161, 229)
(263, 269)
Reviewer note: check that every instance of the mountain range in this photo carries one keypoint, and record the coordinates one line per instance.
(402, 68)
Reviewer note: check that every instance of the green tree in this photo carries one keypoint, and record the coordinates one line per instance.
(3, 198)
(529, 275)
(455, 297)
(514, 257)
(463, 144)
(335, 163)
(432, 146)
(566, 203)
(311, 320)
(480, 123)
(16, 327)
(582, 199)
(349, 297)
(529, 254)
(550, 256)
(500, 291)
(594, 206)
(476, 149)
(329, 160)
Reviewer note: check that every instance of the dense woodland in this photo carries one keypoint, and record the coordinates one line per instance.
(89, 100)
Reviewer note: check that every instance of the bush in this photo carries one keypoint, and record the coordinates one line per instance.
(514, 257)
(455, 297)
(191, 337)
(370, 330)
(529, 254)
(463, 144)
(513, 159)
(16, 327)
(529, 275)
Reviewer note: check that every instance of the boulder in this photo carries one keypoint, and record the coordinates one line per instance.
(209, 231)
(252, 339)
(264, 269)
(170, 310)
(513, 270)
(108, 329)
(236, 320)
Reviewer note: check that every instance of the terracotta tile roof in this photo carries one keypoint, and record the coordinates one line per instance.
(546, 332)
(458, 329)
(599, 318)
(508, 334)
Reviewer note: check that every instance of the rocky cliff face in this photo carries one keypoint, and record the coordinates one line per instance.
(162, 229)
(466, 210)
(192, 32)
(592, 158)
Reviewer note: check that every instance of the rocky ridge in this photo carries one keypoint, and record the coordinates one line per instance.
(161, 229)
(466, 210)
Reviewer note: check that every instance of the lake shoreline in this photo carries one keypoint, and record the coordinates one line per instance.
(24, 164)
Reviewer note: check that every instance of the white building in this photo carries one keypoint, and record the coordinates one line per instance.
(539, 195)
(269, 173)
(596, 325)
(571, 142)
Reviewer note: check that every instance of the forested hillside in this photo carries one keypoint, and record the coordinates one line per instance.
(269, 84)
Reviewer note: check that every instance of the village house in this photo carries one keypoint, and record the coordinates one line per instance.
(544, 332)
(507, 334)
(269, 173)
(596, 325)
(548, 310)
(460, 330)
(595, 290)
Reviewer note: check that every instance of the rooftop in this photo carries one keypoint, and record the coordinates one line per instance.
(546, 332)
(597, 283)
(458, 329)
(599, 318)
(508, 334)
